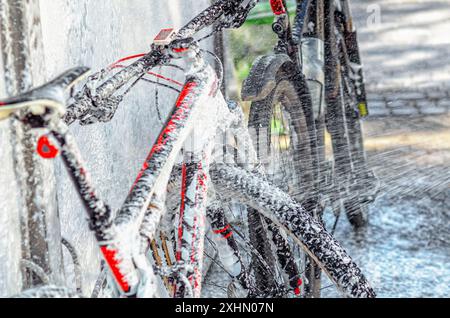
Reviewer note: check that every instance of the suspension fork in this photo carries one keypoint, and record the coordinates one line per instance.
(343, 119)
(351, 60)
(228, 250)
(192, 217)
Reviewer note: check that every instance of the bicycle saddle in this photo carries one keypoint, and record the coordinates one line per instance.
(48, 96)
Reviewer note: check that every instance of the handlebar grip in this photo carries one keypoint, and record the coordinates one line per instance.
(205, 18)
(213, 14)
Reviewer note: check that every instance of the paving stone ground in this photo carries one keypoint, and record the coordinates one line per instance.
(412, 102)
(406, 55)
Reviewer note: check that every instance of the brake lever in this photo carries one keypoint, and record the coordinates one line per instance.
(103, 112)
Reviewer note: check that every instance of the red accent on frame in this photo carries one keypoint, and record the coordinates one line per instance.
(180, 50)
(2, 104)
(277, 7)
(182, 208)
(141, 173)
(113, 263)
(162, 139)
(222, 230)
(187, 89)
(228, 235)
(298, 291)
(45, 148)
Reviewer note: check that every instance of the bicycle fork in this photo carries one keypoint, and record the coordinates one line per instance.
(192, 221)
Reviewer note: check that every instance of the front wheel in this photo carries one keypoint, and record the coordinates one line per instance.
(306, 232)
(284, 136)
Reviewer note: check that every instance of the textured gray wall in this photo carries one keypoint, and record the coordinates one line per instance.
(9, 217)
(95, 33)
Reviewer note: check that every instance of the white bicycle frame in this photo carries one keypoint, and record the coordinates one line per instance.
(201, 113)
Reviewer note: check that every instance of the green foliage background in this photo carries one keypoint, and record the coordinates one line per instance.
(254, 38)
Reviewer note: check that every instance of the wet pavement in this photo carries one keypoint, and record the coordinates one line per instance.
(405, 251)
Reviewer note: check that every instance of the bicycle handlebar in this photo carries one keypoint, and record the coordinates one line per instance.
(206, 18)
(121, 78)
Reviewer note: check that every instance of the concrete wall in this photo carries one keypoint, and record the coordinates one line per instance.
(95, 33)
